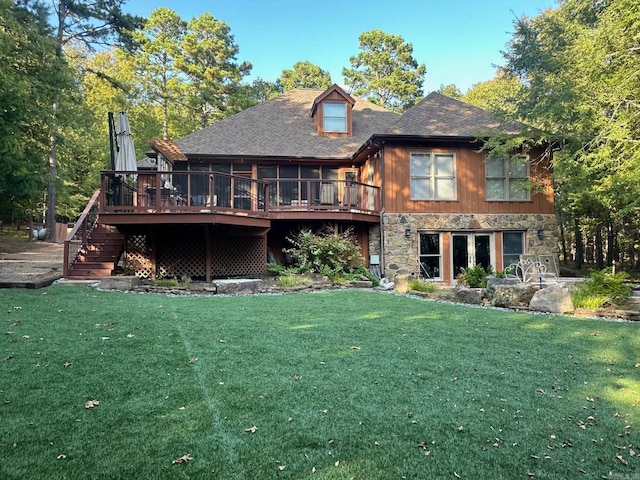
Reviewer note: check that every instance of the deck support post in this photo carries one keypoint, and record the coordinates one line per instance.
(207, 252)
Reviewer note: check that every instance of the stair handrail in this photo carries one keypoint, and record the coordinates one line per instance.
(86, 221)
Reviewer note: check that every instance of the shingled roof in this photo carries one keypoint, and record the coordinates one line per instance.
(437, 115)
(283, 127)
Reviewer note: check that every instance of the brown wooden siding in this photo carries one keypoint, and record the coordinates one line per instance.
(470, 185)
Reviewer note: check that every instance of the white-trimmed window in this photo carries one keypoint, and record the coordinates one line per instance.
(433, 176)
(512, 247)
(508, 178)
(430, 256)
(335, 117)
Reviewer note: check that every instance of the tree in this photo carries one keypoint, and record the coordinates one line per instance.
(252, 94)
(580, 70)
(91, 23)
(30, 74)
(450, 91)
(160, 79)
(304, 75)
(385, 71)
(499, 95)
(208, 58)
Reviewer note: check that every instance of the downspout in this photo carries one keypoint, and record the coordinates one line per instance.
(382, 185)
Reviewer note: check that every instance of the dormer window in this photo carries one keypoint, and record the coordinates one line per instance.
(335, 117)
(332, 113)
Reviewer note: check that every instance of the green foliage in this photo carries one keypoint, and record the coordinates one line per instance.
(475, 277)
(208, 56)
(385, 71)
(602, 288)
(166, 282)
(420, 285)
(291, 280)
(578, 69)
(361, 271)
(328, 252)
(30, 74)
(304, 75)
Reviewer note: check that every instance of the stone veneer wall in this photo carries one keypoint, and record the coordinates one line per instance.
(374, 241)
(401, 253)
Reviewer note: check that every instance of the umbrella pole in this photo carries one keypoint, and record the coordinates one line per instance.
(113, 155)
(113, 187)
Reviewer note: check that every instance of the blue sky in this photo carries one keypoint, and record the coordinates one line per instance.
(459, 41)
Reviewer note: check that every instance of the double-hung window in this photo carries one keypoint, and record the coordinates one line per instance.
(335, 117)
(508, 178)
(433, 176)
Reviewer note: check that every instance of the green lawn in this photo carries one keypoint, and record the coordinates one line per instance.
(329, 385)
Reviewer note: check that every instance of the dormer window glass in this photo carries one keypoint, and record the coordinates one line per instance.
(335, 117)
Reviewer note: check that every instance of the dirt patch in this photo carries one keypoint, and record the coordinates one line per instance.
(28, 264)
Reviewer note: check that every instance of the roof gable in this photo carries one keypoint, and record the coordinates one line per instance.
(328, 93)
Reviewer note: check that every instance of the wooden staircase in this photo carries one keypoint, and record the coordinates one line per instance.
(99, 256)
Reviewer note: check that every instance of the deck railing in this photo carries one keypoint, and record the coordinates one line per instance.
(80, 232)
(206, 192)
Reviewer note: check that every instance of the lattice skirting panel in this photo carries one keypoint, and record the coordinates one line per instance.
(137, 258)
(181, 258)
(238, 256)
(181, 254)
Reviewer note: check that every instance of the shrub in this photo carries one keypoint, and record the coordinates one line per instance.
(476, 276)
(328, 252)
(281, 270)
(421, 286)
(166, 282)
(289, 280)
(603, 287)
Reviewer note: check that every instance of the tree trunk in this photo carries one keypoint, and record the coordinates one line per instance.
(579, 246)
(563, 242)
(50, 216)
(599, 260)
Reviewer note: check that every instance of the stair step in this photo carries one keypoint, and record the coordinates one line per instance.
(94, 264)
(88, 273)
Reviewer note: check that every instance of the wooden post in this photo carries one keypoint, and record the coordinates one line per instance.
(207, 252)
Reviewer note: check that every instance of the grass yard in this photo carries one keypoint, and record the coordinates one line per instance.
(329, 385)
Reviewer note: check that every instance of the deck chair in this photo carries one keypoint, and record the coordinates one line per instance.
(327, 194)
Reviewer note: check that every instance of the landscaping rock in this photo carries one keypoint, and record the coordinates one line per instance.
(473, 296)
(120, 282)
(552, 299)
(401, 281)
(238, 286)
(506, 293)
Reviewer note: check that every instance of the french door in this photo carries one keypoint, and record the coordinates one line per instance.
(470, 249)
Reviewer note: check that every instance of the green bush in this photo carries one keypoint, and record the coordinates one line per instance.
(289, 280)
(602, 288)
(281, 270)
(328, 252)
(422, 286)
(166, 282)
(476, 276)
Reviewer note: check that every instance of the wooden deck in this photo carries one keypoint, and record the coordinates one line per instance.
(128, 198)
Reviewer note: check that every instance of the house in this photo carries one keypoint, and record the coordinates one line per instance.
(415, 188)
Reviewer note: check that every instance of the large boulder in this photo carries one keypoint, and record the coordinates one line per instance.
(472, 296)
(553, 299)
(508, 293)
